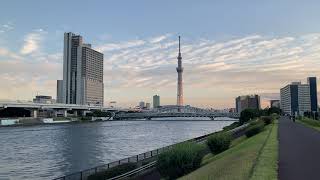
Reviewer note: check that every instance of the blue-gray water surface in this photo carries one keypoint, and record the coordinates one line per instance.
(50, 151)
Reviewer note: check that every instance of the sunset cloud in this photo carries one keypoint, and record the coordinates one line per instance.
(214, 71)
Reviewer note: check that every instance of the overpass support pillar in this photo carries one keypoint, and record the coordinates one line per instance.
(34, 113)
(65, 113)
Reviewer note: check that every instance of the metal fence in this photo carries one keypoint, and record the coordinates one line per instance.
(83, 175)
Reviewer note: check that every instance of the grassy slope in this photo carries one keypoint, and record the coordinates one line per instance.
(310, 123)
(235, 163)
(267, 165)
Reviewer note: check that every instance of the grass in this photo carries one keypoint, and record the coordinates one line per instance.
(267, 164)
(238, 161)
(315, 124)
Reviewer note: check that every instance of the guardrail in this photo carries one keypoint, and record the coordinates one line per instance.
(83, 175)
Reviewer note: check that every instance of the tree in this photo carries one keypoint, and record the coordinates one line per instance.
(248, 114)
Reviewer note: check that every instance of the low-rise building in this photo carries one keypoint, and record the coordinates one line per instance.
(275, 103)
(247, 101)
(44, 99)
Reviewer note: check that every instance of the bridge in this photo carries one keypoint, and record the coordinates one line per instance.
(175, 111)
(149, 116)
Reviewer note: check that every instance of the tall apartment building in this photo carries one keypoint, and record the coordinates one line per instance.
(156, 101)
(312, 81)
(82, 72)
(60, 91)
(248, 101)
(295, 98)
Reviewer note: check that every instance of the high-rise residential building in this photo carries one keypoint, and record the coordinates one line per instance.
(295, 98)
(59, 91)
(275, 103)
(82, 72)
(248, 101)
(156, 101)
(312, 81)
(141, 104)
(148, 105)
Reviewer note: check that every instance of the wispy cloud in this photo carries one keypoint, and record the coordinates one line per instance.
(214, 71)
(32, 41)
(6, 27)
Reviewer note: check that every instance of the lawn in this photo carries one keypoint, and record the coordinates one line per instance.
(315, 124)
(254, 157)
(267, 164)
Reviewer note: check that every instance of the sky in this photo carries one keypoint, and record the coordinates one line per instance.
(229, 48)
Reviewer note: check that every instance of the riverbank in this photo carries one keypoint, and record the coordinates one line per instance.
(16, 122)
(248, 158)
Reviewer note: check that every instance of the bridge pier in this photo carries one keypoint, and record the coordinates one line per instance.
(34, 113)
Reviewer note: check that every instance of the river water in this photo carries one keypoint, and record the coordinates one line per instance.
(50, 151)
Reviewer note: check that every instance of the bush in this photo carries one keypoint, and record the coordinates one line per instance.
(266, 119)
(181, 159)
(219, 142)
(254, 129)
(112, 172)
(231, 126)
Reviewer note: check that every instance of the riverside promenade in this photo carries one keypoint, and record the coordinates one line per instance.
(299, 154)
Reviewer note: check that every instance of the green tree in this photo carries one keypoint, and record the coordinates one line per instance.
(248, 114)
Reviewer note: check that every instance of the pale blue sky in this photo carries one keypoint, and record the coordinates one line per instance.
(138, 39)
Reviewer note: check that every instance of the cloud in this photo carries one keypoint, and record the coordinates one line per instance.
(32, 42)
(159, 38)
(6, 27)
(215, 72)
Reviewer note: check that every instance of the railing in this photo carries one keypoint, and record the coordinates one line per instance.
(83, 175)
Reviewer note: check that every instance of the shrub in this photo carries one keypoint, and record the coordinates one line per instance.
(181, 159)
(231, 126)
(254, 129)
(266, 119)
(112, 172)
(219, 142)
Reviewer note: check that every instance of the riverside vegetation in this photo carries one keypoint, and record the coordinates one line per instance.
(253, 155)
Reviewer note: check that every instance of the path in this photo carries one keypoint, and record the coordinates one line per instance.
(299, 155)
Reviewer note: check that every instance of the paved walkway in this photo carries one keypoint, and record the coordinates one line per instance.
(299, 156)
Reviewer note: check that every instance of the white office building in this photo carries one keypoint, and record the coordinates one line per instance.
(295, 98)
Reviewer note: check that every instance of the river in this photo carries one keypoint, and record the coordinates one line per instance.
(50, 151)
